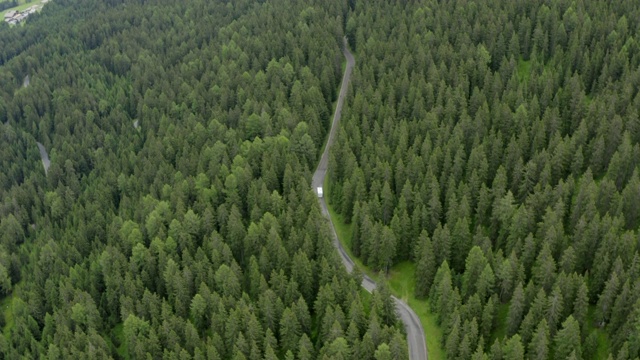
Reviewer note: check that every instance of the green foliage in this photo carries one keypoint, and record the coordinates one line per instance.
(499, 156)
(567, 340)
(401, 280)
(192, 233)
(512, 148)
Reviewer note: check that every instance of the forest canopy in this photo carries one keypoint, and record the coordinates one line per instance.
(495, 145)
(176, 220)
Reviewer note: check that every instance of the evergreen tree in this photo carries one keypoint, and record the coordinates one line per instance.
(474, 267)
(513, 349)
(567, 341)
(488, 314)
(289, 330)
(539, 346)
(426, 266)
(606, 299)
(581, 305)
(383, 352)
(516, 310)
(386, 249)
(544, 269)
(555, 308)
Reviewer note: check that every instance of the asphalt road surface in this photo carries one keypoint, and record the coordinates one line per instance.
(415, 332)
(45, 157)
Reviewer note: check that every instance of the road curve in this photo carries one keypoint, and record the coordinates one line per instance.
(415, 332)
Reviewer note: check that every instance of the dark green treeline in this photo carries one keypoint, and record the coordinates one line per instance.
(496, 145)
(193, 235)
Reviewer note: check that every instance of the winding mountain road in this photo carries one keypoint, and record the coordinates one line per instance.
(415, 332)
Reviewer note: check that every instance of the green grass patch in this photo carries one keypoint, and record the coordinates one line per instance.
(6, 304)
(401, 279)
(524, 69)
(403, 285)
(344, 232)
(500, 322)
(118, 334)
(365, 296)
(587, 99)
(604, 344)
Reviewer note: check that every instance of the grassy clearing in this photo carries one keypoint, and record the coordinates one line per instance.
(500, 323)
(524, 69)
(365, 296)
(401, 281)
(587, 99)
(118, 333)
(604, 345)
(6, 304)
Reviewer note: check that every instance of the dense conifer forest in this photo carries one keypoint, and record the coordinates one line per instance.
(495, 144)
(176, 220)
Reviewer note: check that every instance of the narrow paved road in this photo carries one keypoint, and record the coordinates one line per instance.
(415, 332)
(45, 157)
